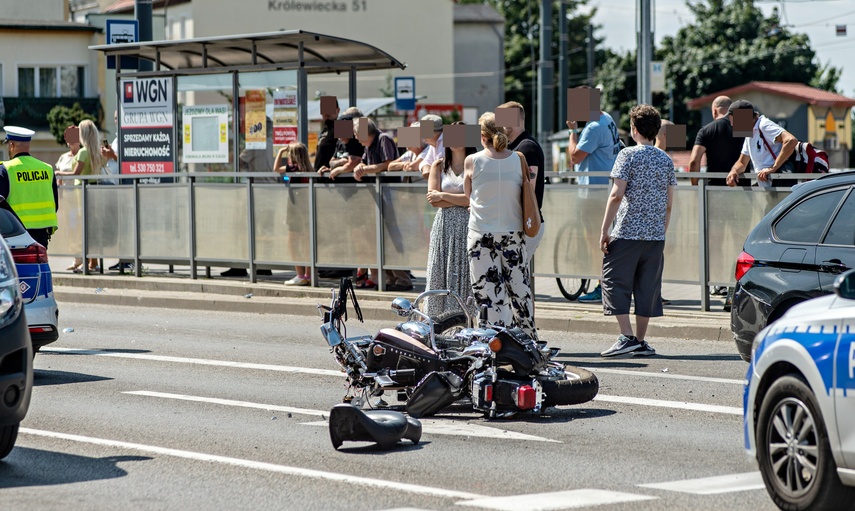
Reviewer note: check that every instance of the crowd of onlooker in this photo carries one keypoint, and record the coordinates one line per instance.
(478, 244)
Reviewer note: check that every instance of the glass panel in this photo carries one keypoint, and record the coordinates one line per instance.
(68, 238)
(805, 222)
(842, 230)
(221, 222)
(47, 82)
(217, 155)
(110, 221)
(407, 221)
(268, 116)
(572, 218)
(26, 82)
(682, 241)
(347, 225)
(281, 216)
(164, 222)
(731, 214)
(70, 84)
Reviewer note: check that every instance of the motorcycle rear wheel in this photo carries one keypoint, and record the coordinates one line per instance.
(575, 386)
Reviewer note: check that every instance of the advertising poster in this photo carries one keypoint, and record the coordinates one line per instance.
(256, 124)
(284, 117)
(206, 136)
(146, 126)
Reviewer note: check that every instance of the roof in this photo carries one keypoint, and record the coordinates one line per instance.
(797, 91)
(47, 25)
(476, 13)
(321, 53)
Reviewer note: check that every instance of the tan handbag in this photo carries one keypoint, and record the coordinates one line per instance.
(530, 209)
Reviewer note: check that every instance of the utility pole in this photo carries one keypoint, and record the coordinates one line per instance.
(545, 77)
(142, 13)
(563, 63)
(644, 16)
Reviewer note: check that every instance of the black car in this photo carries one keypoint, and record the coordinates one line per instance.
(16, 354)
(794, 254)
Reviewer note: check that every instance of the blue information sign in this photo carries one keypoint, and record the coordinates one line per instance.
(405, 93)
(120, 32)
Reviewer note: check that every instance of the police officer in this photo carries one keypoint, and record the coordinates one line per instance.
(29, 185)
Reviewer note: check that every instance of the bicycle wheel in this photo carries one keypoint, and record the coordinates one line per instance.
(572, 288)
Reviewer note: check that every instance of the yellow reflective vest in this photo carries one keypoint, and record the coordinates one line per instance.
(31, 191)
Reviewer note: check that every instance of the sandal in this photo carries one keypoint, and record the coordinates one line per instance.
(74, 267)
(367, 284)
(360, 278)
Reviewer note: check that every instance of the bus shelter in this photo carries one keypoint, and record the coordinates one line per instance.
(207, 122)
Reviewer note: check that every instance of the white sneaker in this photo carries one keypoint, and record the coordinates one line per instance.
(297, 281)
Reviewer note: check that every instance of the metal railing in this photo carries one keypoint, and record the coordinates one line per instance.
(375, 224)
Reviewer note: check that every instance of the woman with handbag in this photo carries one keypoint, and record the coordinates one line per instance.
(493, 182)
(448, 263)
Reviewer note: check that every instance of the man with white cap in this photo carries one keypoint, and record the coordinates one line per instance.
(436, 149)
(29, 185)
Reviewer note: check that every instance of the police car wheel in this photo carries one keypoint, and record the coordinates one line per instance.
(793, 452)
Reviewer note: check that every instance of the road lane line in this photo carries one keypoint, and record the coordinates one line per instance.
(328, 372)
(195, 361)
(571, 499)
(258, 465)
(682, 405)
(665, 375)
(713, 485)
(429, 426)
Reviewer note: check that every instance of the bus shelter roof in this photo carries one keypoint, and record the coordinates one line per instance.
(320, 53)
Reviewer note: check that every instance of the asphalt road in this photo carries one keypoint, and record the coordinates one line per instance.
(156, 409)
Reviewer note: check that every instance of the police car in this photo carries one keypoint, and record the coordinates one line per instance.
(34, 276)
(799, 402)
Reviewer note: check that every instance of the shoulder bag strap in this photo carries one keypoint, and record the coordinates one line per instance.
(759, 131)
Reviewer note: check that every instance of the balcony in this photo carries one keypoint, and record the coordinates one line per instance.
(32, 112)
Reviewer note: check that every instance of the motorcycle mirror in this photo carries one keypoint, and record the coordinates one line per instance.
(402, 306)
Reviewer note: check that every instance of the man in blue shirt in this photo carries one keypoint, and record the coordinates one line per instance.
(594, 150)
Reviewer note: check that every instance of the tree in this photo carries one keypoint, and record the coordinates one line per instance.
(732, 43)
(522, 46)
(61, 117)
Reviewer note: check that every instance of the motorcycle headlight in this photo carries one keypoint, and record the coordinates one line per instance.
(10, 293)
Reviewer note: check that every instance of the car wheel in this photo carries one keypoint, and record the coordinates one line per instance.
(8, 435)
(793, 452)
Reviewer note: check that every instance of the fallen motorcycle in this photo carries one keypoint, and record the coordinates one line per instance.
(433, 363)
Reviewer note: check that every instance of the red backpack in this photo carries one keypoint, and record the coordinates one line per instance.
(806, 158)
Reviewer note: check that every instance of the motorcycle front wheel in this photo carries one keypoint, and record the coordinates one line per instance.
(449, 323)
(575, 386)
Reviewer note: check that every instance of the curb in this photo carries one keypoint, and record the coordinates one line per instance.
(270, 298)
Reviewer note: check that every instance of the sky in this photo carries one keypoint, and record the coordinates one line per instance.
(816, 18)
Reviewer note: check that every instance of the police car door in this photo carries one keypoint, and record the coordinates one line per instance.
(844, 386)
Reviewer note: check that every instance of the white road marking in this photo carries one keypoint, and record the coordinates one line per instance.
(571, 499)
(437, 427)
(713, 485)
(195, 361)
(700, 407)
(326, 372)
(429, 426)
(664, 375)
(257, 465)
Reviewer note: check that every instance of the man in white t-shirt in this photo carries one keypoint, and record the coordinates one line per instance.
(435, 148)
(769, 147)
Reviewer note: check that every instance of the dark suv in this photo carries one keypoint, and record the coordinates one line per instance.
(794, 254)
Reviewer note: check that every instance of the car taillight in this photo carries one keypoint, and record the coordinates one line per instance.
(743, 263)
(33, 254)
(526, 397)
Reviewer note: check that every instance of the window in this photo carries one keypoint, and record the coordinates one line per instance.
(842, 231)
(51, 81)
(806, 222)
